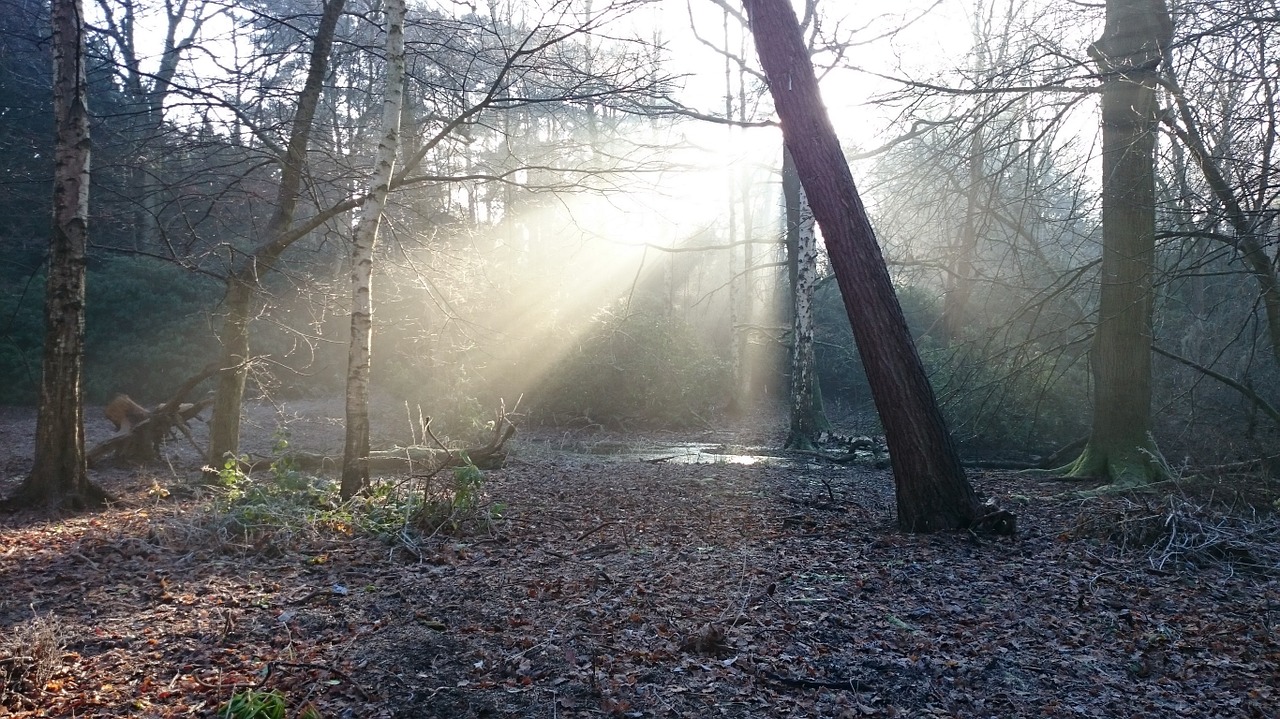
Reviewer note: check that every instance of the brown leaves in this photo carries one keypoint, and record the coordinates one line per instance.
(635, 589)
(709, 640)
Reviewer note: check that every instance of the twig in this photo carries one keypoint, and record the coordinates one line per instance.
(598, 527)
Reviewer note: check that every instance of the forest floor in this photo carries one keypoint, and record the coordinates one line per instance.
(613, 587)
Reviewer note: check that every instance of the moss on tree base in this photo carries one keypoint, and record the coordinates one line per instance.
(1123, 467)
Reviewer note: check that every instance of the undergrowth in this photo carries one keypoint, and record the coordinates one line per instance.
(458, 507)
(272, 511)
(1185, 532)
(29, 658)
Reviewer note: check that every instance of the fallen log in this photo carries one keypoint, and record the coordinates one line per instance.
(139, 441)
(142, 431)
(418, 458)
(397, 459)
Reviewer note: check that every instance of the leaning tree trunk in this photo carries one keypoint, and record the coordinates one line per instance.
(932, 491)
(224, 429)
(807, 416)
(355, 457)
(59, 477)
(1128, 54)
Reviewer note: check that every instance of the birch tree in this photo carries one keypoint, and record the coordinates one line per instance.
(355, 465)
(59, 477)
(807, 416)
(477, 66)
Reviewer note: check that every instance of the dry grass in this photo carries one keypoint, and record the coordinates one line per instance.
(30, 657)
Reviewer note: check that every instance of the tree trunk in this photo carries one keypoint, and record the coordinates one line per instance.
(224, 429)
(355, 457)
(59, 477)
(807, 416)
(932, 491)
(737, 372)
(959, 280)
(1128, 54)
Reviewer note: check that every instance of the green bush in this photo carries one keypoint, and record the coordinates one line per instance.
(21, 340)
(458, 508)
(147, 327)
(253, 704)
(273, 510)
(639, 369)
(146, 330)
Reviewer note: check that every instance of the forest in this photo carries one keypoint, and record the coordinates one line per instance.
(639, 358)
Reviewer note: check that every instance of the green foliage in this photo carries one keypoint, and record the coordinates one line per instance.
(459, 508)
(253, 704)
(641, 369)
(146, 330)
(271, 511)
(147, 327)
(384, 511)
(21, 339)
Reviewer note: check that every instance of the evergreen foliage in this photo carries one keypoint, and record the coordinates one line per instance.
(634, 370)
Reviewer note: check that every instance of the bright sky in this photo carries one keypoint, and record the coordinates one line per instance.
(929, 40)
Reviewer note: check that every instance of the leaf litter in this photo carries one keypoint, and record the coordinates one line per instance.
(649, 589)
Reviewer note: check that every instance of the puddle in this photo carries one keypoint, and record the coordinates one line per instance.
(680, 453)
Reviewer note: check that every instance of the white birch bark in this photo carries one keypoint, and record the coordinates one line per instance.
(355, 458)
(804, 421)
(59, 474)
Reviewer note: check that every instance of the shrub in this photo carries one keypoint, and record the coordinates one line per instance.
(275, 510)
(458, 508)
(994, 396)
(634, 369)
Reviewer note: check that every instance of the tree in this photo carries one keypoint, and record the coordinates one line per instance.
(26, 137)
(355, 465)
(224, 429)
(514, 66)
(1128, 56)
(1232, 53)
(807, 415)
(59, 477)
(145, 92)
(932, 491)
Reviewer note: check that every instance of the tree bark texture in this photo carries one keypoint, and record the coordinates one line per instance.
(807, 416)
(224, 429)
(1127, 55)
(932, 491)
(355, 457)
(59, 476)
